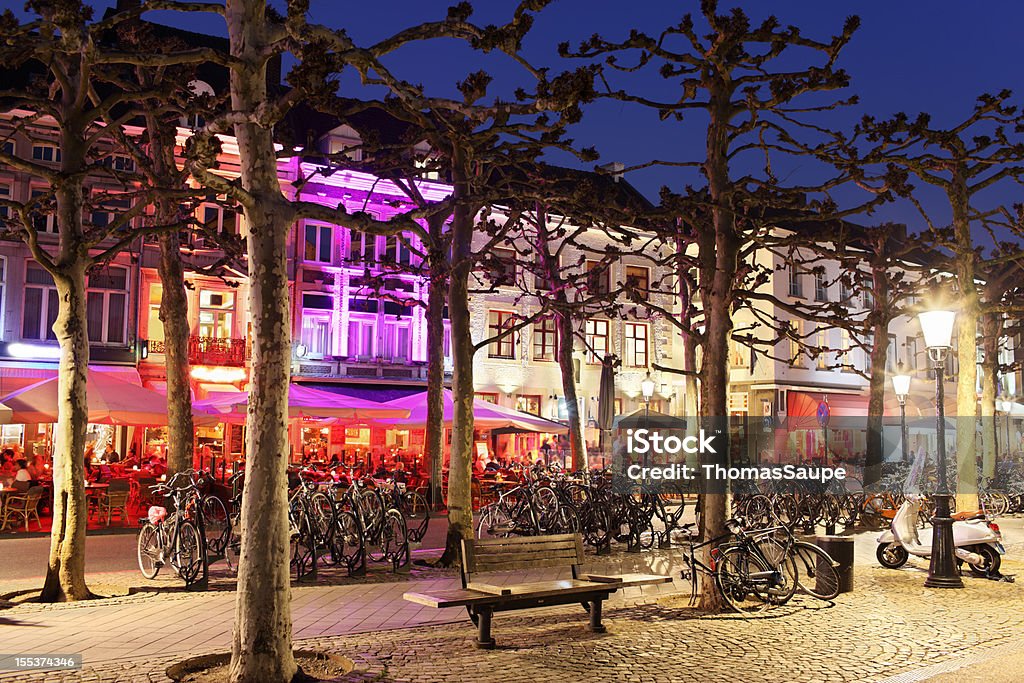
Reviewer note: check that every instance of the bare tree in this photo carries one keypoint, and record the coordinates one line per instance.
(961, 161)
(742, 79)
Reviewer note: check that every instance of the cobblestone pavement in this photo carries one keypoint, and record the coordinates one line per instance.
(889, 628)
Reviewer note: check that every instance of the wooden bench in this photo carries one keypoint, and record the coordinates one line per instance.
(482, 599)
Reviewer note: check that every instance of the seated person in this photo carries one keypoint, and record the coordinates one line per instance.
(156, 466)
(492, 466)
(400, 475)
(8, 466)
(111, 455)
(381, 472)
(23, 474)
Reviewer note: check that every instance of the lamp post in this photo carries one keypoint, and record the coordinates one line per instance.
(901, 387)
(647, 389)
(937, 327)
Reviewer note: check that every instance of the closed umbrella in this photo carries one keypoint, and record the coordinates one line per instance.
(606, 402)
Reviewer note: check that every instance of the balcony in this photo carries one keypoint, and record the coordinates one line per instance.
(211, 351)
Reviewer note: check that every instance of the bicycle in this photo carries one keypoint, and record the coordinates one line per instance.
(172, 538)
(747, 580)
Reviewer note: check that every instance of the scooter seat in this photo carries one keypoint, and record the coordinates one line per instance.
(968, 516)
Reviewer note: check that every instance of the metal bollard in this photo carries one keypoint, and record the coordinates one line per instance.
(840, 549)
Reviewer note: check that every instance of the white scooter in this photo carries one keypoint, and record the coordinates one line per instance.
(977, 541)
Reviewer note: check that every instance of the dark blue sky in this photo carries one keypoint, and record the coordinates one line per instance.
(908, 56)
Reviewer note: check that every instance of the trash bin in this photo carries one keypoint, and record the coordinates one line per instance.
(840, 549)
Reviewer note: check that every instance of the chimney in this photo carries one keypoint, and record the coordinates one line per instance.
(614, 169)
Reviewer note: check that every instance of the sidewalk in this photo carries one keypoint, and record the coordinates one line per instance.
(890, 628)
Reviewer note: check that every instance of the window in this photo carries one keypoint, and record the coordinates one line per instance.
(362, 337)
(739, 355)
(597, 278)
(636, 345)
(796, 335)
(487, 397)
(596, 332)
(107, 305)
(540, 280)
(891, 352)
(119, 162)
(215, 313)
(638, 278)
(845, 290)
(528, 403)
(796, 284)
(155, 326)
(46, 153)
(44, 222)
(3, 290)
(821, 342)
(867, 295)
(843, 357)
(911, 360)
(820, 287)
(8, 147)
(396, 341)
(498, 322)
(502, 270)
(364, 247)
(40, 310)
(315, 334)
(545, 339)
(5, 195)
(216, 218)
(319, 242)
(106, 208)
(396, 251)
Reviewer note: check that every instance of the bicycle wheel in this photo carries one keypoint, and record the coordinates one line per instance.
(495, 522)
(347, 541)
(545, 505)
(393, 543)
(216, 524)
(302, 541)
(149, 551)
(321, 511)
(567, 521)
(817, 571)
(781, 587)
(188, 555)
(417, 516)
(733, 576)
(757, 511)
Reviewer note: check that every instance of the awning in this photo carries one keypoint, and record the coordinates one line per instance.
(16, 374)
(485, 415)
(802, 409)
(303, 402)
(109, 400)
(378, 393)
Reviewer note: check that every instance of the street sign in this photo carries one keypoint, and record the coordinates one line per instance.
(768, 423)
(824, 413)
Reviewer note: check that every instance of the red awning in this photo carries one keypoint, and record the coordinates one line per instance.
(802, 408)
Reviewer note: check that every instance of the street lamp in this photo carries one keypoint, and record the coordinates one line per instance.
(901, 387)
(647, 389)
(937, 327)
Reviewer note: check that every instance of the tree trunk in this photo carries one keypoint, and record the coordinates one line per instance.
(564, 320)
(990, 333)
(262, 642)
(876, 386)
(967, 352)
(718, 246)
(435, 364)
(460, 468)
(65, 573)
(174, 316)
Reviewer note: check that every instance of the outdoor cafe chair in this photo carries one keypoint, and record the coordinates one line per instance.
(114, 502)
(23, 507)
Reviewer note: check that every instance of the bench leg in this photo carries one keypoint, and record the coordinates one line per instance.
(595, 617)
(484, 641)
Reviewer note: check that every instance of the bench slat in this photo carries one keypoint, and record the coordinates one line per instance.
(514, 565)
(523, 540)
(625, 580)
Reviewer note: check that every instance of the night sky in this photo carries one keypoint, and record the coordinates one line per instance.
(907, 56)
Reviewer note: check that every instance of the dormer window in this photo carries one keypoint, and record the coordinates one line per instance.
(45, 152)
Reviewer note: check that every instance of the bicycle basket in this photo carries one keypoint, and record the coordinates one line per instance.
(157, 514)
